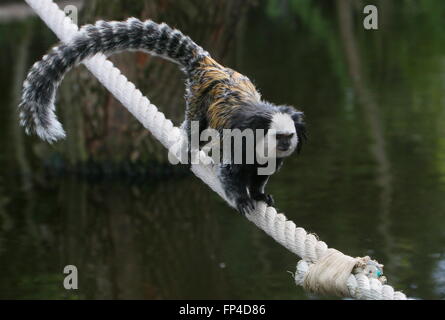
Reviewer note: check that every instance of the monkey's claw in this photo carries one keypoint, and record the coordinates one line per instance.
(267, 198)
(245, 206)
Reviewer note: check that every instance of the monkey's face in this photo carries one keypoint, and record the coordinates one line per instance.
(284, 127)
(283, 135)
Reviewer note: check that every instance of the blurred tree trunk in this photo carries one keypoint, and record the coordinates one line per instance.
(98, 127)
(16, 133)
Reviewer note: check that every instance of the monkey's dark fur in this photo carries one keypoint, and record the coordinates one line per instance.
(217, 97)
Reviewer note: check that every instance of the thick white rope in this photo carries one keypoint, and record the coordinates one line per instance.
(321, 270)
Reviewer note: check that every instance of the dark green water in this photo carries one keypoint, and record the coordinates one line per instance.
(371, 180)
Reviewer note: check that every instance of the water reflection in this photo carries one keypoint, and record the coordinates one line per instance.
(370, 180)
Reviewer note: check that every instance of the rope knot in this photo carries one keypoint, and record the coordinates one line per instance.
(329, 275)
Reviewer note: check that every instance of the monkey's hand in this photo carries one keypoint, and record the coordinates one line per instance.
(245, 205)
(267, 198)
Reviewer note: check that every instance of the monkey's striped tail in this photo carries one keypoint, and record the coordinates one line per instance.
(39, 90)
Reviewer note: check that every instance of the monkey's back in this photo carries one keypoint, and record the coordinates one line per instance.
(215, 93)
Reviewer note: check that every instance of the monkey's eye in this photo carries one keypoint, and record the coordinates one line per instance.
(281, 136)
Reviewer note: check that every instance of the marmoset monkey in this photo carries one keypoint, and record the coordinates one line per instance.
(217, 97)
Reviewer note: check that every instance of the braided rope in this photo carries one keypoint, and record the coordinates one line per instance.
(321, 270)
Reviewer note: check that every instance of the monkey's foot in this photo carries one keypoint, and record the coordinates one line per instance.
(270, 200)
(245, 205)
(267, 198)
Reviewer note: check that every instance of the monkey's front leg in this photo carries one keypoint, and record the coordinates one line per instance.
(257, 186)
(235, 180)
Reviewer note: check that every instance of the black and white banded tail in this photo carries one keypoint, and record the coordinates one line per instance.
(39, 90)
